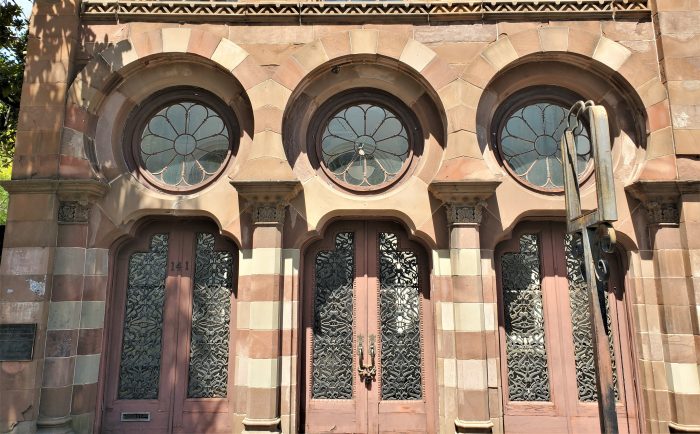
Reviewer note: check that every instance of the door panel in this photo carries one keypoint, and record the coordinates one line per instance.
(545, 335)
(171, 319)
(366, 305)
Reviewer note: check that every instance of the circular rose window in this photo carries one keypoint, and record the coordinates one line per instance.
(529, 139)
(183, 141)
(365, 144)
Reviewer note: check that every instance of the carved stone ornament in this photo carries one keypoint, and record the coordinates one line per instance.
(269, 212)
(320, 11)
(73, 212)
(662, 212)
(465, 213)
(661, 199)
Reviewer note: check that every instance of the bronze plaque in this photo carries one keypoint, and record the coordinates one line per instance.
(17, 341)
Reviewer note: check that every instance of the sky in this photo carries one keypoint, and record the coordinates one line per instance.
(26, 6)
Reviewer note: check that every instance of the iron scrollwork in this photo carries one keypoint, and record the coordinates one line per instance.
(332, 363)
(139, 369)
(211, 308)
(581, 321)
(400, 321)
(526, 354)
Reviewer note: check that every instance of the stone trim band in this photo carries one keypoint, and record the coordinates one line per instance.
(419, 11)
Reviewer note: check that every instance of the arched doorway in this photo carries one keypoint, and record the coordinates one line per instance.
(171, 324)
(547, 358)
(367, 332)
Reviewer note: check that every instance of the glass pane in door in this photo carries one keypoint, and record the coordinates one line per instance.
(211, 309)
(332, 364)
(400, 318)
(139, 368)
(581, 323)
(526, 354)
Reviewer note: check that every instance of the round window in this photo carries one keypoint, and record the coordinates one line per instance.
(183, 139)
(365, 141)
(529, 135)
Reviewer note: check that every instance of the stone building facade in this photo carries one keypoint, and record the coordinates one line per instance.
(202, 238)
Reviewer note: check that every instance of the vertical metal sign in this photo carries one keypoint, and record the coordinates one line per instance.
(596, 229)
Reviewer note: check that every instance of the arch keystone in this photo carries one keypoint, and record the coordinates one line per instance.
(176, 39)
(228, 54)
(554, 38)
(363, 41)
(611, 53)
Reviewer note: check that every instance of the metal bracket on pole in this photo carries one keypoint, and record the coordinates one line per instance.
(596, 229)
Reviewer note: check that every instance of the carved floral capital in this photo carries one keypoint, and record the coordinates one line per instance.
(267, 200)
(660, 199)
(464, 200)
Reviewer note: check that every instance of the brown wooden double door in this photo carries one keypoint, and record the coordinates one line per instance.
(172, 309)
(547, 370)
(368, 360)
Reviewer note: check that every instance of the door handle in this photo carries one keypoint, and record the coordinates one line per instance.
(367, 372)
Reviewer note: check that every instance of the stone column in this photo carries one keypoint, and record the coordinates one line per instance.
(474, 320)
(260, 305)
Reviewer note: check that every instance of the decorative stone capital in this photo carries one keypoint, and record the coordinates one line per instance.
(458, 213)
(464, 200)
(660, 199)
(73, 211)
(267, 199)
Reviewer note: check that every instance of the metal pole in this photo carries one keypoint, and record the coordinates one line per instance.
(599, 338)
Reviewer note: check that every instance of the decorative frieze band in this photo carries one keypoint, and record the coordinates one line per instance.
(415, 11)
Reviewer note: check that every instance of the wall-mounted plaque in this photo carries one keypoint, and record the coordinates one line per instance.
(17, 341)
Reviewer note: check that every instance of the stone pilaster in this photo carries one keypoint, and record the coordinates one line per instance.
(671, 214)
(474, 320)
(69, 327)
(261, 300)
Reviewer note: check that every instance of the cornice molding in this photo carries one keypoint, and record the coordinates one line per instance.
(377, 11)
(80, 190)
(661, 198)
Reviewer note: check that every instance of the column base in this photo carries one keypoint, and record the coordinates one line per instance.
(58, 425)
(262, 425)
(475, 426)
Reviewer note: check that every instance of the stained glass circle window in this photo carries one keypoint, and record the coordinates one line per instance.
(529, 144)
(366, 145)
(183, 139)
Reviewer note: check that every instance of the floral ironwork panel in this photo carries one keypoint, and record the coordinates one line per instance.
(332, 363)
(526, 355)
(139, 369)
(581, 321)
(365, 145)
(400, 318)
(529, 144)
(211, 314)
(184, 144)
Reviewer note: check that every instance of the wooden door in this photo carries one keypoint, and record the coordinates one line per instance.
(366, 309)
(168, 370)
(548, 372)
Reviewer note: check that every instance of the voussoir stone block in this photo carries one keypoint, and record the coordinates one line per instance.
(147, 43)
(119, 55)
(500, 53)
(228, 54)
(311, 56)
(526, 42)
(460, 92)
(611, 53)
(269, 92)
(462, 144)
(416, 55)
(652, 92)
